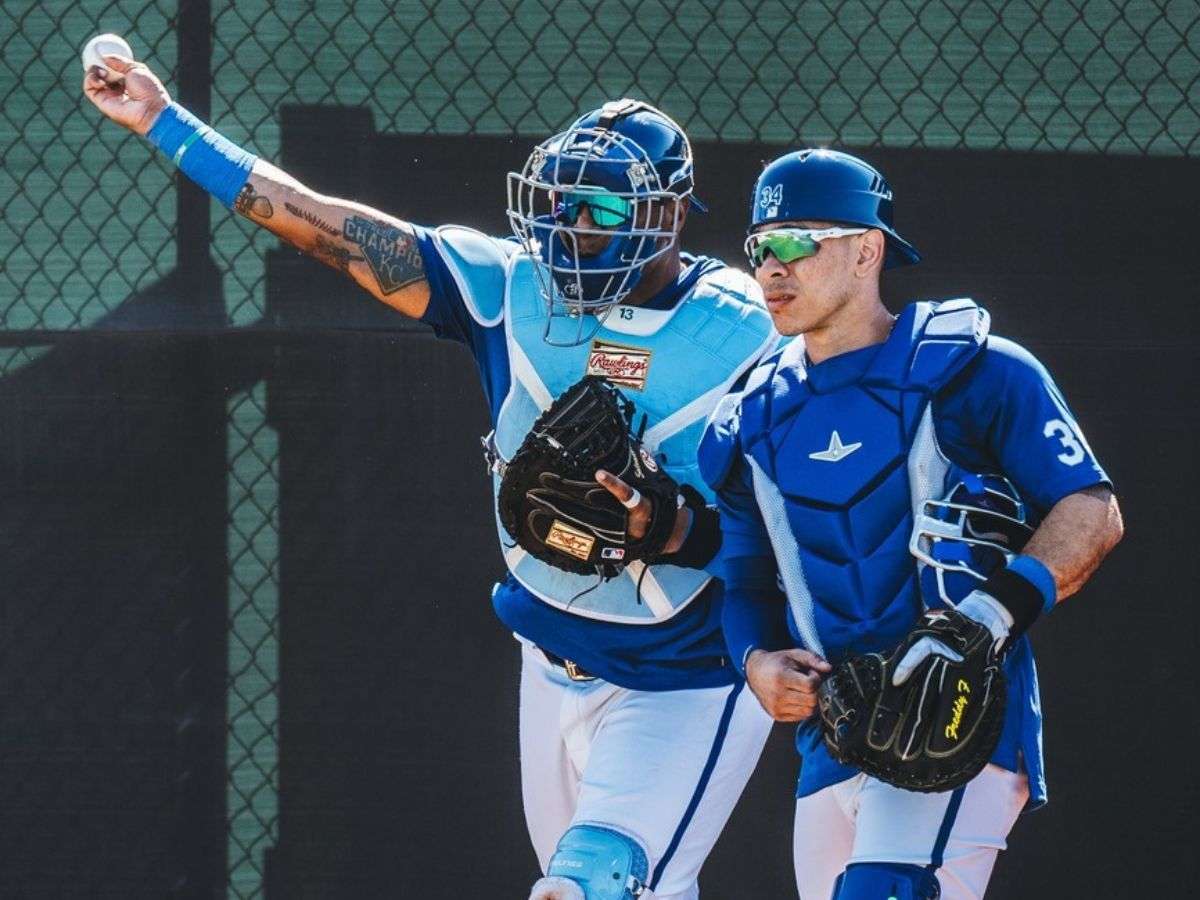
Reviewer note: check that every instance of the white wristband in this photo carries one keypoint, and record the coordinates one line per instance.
(987, 611)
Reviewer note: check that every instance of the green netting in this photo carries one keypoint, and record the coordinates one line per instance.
(85, 211)
(1023, 74)
(252, 706)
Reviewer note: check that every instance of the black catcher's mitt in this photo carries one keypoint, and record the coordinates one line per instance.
(934, 732)
(550, 501)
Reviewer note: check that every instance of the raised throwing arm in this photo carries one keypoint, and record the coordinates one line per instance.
(376, 250)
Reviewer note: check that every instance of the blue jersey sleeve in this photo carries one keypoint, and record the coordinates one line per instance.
(1005, 413)
(467, 274)
(754, 615)
(466, 271)
(446, 314)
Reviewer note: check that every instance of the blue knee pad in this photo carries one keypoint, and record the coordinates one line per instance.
(606, 864)
(886, 881)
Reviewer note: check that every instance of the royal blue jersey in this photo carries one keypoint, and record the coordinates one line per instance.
(1003, 414)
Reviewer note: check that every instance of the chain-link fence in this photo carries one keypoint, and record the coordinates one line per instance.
(88, 210)
(88, 224)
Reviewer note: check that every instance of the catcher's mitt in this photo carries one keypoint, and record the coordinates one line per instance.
(934, 732)
(550, 501)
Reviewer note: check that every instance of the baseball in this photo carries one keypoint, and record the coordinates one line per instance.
(95, 50)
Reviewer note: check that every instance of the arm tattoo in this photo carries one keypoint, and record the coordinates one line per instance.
(312, 219)
(336, 255)
(249, 203)
(391, 252)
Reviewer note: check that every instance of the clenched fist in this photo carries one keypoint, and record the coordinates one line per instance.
(134, 102)
(785, 682)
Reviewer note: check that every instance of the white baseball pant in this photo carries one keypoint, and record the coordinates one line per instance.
(863, 819)
(665, 766)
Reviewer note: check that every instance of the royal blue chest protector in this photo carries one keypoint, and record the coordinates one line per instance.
(840, 457)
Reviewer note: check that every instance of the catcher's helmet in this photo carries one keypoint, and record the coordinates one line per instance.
(629, 158)
(828, 186)
(960, 540)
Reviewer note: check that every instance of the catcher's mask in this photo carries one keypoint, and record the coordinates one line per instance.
(959, 541)
(631, 165)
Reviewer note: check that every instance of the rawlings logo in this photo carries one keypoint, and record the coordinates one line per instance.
(569, 540)
(618, 364)
(960, 706)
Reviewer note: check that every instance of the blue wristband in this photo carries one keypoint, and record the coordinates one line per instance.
(1035, 571)
(214, 162)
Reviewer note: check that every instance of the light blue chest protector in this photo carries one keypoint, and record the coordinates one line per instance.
(840, 458)
(675, 365)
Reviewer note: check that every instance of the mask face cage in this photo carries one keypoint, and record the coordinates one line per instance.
(581, 290)
(961, 540)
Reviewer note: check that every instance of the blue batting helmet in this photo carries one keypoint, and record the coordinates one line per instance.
(828, 186)
(624, 161)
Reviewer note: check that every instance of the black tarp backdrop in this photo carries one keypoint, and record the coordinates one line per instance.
(399, 773)
(112, 618)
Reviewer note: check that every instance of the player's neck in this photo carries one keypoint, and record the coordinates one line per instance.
(657, 276)
(862, 322)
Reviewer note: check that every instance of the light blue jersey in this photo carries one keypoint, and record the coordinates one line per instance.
(650, 628)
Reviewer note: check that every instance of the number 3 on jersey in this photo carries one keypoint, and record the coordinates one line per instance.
(1073, 453)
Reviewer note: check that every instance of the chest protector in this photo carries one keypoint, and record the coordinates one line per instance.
(675, 365)
(840, 457)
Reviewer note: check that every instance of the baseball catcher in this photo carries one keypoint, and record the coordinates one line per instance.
(594, 284)
(901, 497)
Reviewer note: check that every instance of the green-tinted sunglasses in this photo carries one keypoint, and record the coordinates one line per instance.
(790, 244)
(608, 209)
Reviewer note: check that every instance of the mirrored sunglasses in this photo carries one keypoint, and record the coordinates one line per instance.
(790, 244)
(607, 209)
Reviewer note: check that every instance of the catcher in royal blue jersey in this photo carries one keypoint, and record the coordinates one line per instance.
(902, 496)
(602, 349)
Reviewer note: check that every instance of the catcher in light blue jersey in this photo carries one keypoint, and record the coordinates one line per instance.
(637, 736)
(901, 497)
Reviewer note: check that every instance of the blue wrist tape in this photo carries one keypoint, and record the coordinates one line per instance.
(1035, 571)
(214, 162)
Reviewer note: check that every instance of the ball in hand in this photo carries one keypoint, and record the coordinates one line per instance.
(103, 45)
